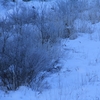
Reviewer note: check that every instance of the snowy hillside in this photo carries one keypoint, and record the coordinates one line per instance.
(79, 78)
(79, 54)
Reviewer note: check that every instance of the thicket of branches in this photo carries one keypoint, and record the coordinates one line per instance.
(24, 48)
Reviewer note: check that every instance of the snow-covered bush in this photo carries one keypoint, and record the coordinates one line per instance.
(68, 12)
(22, 54)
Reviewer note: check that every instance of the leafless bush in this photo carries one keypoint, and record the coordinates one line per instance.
(22, 57)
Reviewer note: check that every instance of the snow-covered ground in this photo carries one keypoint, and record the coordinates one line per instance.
(79, 78)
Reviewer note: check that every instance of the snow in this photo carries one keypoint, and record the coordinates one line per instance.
(79, 78)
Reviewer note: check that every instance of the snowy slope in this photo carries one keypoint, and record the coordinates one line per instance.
(79, 78)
